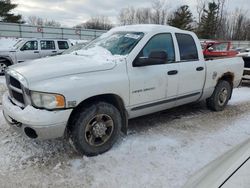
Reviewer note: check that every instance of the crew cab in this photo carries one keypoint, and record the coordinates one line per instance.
(28, 49)
(130, 71)
(213, 49)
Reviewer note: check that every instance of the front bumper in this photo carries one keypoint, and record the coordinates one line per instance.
(246, 74)
(46, 124)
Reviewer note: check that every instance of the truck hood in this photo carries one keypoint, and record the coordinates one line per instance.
(61, 65)
(6, 51)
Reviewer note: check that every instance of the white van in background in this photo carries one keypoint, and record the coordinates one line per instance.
(28, 49)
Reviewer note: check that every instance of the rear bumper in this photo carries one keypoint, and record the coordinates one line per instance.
(45, 124)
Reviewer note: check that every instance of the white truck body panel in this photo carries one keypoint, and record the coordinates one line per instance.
(228, 171)
(143, 90)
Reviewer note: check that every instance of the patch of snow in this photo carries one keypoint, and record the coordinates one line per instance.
(98, 53)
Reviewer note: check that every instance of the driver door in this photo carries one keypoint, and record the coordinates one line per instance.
(28, 51)
(152, 84)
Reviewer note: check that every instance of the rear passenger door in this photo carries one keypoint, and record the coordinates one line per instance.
(48, 48)
(192, 70)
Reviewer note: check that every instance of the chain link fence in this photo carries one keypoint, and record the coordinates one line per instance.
(28, 31)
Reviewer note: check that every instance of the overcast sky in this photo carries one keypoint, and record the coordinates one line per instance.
(72, 12)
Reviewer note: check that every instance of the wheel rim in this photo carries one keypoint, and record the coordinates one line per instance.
(223, 95)
(3, 66)
(99, 130)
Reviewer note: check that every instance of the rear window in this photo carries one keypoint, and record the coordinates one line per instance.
(47, 45)
(187, 47)
(63, 45)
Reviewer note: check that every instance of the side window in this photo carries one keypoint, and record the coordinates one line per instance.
(62, 45)
(47, 45)
(160, 42)
(30, 45)
(187, 47)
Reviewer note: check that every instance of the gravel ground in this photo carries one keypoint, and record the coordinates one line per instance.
(161, 150)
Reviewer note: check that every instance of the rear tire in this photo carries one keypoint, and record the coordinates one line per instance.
(220, 97)
(96, 128)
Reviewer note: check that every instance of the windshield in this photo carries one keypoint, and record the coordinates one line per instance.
(121, 43)
(18, 44)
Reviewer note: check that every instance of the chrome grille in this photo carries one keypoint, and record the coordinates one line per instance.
(14, 82)
(15, 89)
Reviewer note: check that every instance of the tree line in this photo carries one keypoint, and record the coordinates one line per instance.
(210, 20)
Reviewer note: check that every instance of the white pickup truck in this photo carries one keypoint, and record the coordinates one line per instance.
(131, 71)
(29, 49)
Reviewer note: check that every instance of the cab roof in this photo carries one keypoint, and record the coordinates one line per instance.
(146, 28)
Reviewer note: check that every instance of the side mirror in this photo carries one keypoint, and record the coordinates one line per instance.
(154, 58)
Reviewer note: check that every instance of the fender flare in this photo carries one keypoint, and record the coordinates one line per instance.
(6, 58)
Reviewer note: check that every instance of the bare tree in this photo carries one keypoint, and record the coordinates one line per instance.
(143, 16)
(221, 30)
(98, 22)
(240, 25)
(236, 25)
(201, 5)
(159, 14)
(34, 20)
(127, 16)
(37, 21)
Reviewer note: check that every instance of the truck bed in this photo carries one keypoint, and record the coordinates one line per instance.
(219, 67)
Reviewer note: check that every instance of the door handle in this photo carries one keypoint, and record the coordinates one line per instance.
(172, 72)
(54, 51)
(36, 52)
(199, 68)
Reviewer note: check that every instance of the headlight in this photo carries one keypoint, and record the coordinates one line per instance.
(47, 100)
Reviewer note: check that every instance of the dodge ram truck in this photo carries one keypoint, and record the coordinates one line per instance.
(29, 49)
(88, 96)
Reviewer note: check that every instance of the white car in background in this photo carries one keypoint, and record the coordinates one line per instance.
(28, 49)
(231, 170)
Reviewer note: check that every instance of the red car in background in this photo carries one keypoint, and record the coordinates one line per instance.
(218, 49)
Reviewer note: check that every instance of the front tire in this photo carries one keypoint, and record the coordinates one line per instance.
(3, 66)
(96, 128)
(220, 97)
